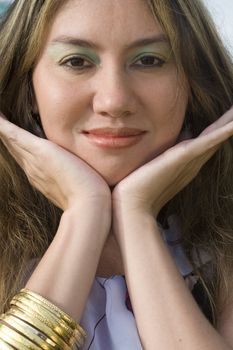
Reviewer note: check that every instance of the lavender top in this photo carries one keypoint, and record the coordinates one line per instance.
(108, 316)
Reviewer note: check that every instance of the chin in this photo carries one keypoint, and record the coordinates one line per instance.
(114, 171)
(113, 179)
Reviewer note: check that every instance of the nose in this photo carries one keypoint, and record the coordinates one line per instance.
(114, 95)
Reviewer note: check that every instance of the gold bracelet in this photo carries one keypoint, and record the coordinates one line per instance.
(20, 313)
(78, 332)
(69, 335)
(51, 306)
(55, 328)
(27, 296)
(5, 346)
(15, 339)
(42, 323)
(45, 317)
(58, 312)
(58, 325)
(33, 334)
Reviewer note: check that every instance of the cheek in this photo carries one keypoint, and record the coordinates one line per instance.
(168, 103)
(59, 102)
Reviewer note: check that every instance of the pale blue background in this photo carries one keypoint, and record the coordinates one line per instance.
(4, 4)
(222, 12)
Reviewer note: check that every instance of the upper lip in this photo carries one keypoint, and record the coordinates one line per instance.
(115, 131)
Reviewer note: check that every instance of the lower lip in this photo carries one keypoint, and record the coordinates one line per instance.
(105, 141)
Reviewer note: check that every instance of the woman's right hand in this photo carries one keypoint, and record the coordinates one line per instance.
(57, 173)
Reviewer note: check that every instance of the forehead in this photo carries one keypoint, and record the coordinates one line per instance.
(108, 20)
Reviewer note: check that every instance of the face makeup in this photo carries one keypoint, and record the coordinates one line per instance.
(118, 75)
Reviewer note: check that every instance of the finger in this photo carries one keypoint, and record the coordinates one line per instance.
(18, 156)
(14, 135)
(203, 158)
(212, 136)
(19, 142)
(17, 152)
(217, 134)
(223, 120)
(193, 148)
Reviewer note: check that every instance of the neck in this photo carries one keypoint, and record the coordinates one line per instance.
(110, 262)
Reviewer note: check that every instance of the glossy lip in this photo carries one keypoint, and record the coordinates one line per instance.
(114, 132)
(113, 141)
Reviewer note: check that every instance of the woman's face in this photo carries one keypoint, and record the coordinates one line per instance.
(107, 64)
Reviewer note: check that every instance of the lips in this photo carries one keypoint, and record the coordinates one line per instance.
(114, 132)
(109, 138)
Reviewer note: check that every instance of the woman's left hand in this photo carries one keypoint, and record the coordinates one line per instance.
(152, 185)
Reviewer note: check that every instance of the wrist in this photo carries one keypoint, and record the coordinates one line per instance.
(94, 216)
(93, 201)
(132, 211)
(128, 221)
(124, 205)
(89, 206)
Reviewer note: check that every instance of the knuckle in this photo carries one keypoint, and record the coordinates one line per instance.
(12, 138)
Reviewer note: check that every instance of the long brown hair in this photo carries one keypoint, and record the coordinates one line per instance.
(28, 221)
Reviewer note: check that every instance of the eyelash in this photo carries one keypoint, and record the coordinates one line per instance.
(67, 63)
(70, 59)
(159, 63)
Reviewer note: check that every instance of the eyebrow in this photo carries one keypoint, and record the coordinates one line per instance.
(69, 40)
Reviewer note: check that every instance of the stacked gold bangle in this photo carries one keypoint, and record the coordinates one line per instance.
(35, 323)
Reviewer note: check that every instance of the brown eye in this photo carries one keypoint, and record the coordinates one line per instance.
(150, 61)
(76, 62)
